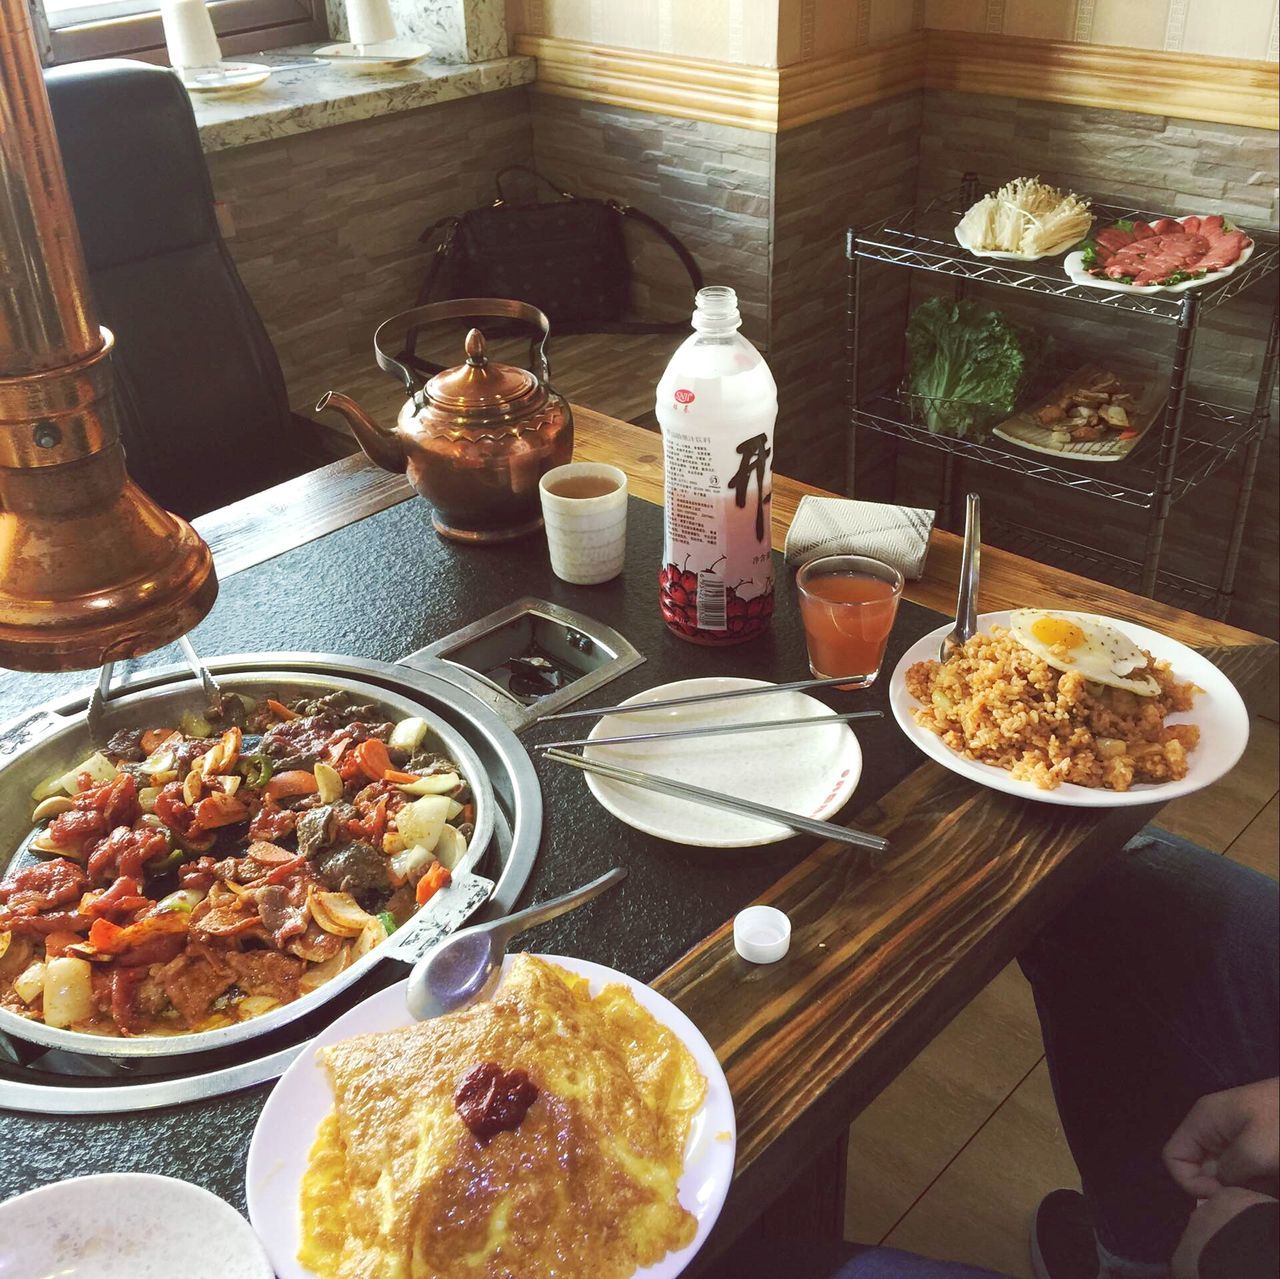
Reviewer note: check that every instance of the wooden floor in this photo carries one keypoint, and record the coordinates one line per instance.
(953, 1156)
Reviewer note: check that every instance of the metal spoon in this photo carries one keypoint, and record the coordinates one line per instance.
(468, 965)
(967, 597)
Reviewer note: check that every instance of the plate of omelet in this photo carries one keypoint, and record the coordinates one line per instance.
(607, 1154)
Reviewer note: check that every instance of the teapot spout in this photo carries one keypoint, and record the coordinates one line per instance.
(382, 447)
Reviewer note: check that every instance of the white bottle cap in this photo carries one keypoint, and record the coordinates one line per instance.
(761, 934)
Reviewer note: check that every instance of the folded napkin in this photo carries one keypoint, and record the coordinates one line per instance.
(898, 535)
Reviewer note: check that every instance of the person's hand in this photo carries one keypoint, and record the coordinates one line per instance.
(1208, 1218)
(1230, 1138)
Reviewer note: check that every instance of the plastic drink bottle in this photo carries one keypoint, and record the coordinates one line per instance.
(716, 405)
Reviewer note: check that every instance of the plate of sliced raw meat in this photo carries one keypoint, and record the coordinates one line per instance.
(1164, 256)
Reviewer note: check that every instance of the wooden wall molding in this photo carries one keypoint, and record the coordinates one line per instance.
(661, 83)
(809, 91)
(1184, 85)
(1189, 86)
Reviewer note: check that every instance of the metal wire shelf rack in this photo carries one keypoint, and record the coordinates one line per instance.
(1212, 434)
(924, 238)
(1190, 441)
(1089, 561)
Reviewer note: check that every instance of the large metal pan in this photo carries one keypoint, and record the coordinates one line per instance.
(66, 746)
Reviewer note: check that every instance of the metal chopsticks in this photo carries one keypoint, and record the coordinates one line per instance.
(682, 790)
(795, 685)
(715, 730)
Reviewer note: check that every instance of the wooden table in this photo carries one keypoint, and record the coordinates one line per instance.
(882, 957)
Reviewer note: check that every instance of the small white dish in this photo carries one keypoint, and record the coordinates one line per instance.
(371, 59)
(127, 1225)
(1218, 711)
(302, 1098)
(1002, 256)
(761, 934)
(810, 771)
(1074, 267)
(225, 78)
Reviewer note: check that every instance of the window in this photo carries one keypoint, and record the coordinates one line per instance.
(80, 29)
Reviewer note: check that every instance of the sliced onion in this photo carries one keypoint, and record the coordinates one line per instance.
(54, 806)
(318, 974)
(29, 984)
(371, 936)
(255, 1006)
(338, 913)
(328, 782)
(451, 847)
(68, 991)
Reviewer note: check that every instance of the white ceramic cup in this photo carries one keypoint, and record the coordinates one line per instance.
(587, 536)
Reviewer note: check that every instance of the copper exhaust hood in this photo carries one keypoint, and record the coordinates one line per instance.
(91, 569)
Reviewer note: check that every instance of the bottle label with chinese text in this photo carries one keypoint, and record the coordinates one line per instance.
(716, 581)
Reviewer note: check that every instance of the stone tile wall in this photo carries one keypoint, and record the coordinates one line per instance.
(711, 184)
(327, 223)
(850, 168)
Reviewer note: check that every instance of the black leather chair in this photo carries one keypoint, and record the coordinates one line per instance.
(206, 419)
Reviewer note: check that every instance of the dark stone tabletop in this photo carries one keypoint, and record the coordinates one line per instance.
(385, 586)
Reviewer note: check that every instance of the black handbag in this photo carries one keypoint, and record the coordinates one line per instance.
(567, 257)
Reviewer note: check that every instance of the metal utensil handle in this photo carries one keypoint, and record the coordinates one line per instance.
(970, 563)
(210, 685)
(463, 309)
(515, 924)
(697, 698)
(715, 730)
(682, 790)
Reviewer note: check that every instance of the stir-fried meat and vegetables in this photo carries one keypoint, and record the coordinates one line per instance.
(198, 877)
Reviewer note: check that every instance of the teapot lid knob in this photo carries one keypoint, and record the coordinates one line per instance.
(474, 347)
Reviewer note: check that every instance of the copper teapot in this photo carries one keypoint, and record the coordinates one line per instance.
(476, 439)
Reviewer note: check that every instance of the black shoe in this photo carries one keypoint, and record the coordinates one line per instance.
(1062, 1239)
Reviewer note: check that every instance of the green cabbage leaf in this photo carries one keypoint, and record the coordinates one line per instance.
(967, 365)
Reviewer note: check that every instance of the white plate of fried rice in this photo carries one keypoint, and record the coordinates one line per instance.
(998, 715)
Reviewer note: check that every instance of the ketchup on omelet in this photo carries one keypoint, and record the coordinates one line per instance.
(491, 1100)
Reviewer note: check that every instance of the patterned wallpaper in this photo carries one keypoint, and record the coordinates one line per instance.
(1220, 28)
(779, 32)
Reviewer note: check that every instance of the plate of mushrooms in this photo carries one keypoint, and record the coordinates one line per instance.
(1095, 415)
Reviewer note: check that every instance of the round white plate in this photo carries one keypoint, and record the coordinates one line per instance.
(287, 1126)
(390, 55)
(810, 771)
(1218, 711)
(1074, 267)
(126, 1225)
(226, 78)
(1014, 257)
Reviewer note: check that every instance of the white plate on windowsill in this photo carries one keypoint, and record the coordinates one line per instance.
(226, 78)
(372, 59)
(810, 771)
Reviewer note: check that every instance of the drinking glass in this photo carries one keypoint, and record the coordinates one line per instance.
(847, 604)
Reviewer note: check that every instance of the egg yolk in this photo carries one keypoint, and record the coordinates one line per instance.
(1057, 632)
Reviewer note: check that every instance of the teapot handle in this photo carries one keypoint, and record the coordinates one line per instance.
(465, 309)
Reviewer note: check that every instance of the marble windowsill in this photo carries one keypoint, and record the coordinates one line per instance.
(302, 99)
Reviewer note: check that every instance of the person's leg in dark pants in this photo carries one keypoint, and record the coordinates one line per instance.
(1157, 985)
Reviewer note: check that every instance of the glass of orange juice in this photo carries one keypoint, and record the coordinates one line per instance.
(847, 604)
